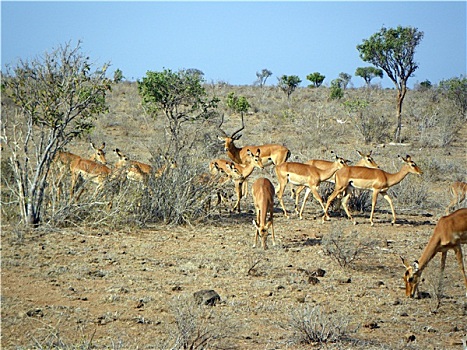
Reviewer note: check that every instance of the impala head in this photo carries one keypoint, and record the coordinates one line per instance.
(122, 159)
(255, 158)
(263, 232)
(413, 168)
(367, 160)
(229, 140)
(99, 155)
(411, 278)
(341, 162)
(234, 172)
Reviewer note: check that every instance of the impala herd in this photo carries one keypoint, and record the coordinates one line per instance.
(449, 233)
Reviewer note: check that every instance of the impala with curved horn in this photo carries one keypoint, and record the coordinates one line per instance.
(270, 153)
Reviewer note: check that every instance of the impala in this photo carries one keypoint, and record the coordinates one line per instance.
(450, 233)
(99, 154)
(458, 192)
(376, 180)
(263, 198)
(135, 170)
(254, 160)
(88, 170)
(65, 159)
(270, 154)
(217, 178)
(366, 160)
(305, 175)
(223, 166)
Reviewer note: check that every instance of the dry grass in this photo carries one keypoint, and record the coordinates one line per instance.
(121, 278)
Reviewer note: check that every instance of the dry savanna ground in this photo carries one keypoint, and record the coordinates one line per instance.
(98, 285)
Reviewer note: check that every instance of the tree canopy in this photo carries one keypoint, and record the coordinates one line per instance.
(393, 50)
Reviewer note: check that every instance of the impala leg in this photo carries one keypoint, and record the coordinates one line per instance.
(374, 198)
(460, 260)
(298, 190)
(443, 265)
(238, 189)
(344, 201)
(272, 232)
(315, 192)
(328, 203)
(389, 200)
(279, 196)
(307, 193)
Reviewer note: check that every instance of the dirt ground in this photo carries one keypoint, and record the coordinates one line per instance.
(77, 288)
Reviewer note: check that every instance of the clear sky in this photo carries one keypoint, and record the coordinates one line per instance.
(231, 41)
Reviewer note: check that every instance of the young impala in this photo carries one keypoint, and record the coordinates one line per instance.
(450, 233)
(270, 153)
(245, 171)
(263, 198)
(376, 180)
(305, 175)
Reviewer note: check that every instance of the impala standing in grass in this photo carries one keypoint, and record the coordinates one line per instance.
(270, 154)
(366, 160)
(305, 175)
(375, 180)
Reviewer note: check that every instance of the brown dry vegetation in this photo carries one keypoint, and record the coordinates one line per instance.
(115, 279)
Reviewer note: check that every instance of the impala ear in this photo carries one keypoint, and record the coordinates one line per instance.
(235, 138)
(249, 153)
(360, 153)
(258, 152)
(415, 266)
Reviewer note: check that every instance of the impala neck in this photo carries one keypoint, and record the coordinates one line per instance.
(428, 253)
(394, 179)
(247, 169)
(234, 153)
(328, 173)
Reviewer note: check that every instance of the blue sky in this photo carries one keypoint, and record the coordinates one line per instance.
(231, 41)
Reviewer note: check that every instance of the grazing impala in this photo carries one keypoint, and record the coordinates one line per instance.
(305, 175)
(458, 192)
(376, 180)
(270, 153)
(263, 197)
(450, 233)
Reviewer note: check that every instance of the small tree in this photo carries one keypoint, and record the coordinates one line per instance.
(262, 77)
(237, 104)
(368, 73)
(455, 89)
(49, 101)
(118, 76)
(288, 84)
(180, 95)
(344, 79)
(393, 50)
(316, 79)
(336, 90)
